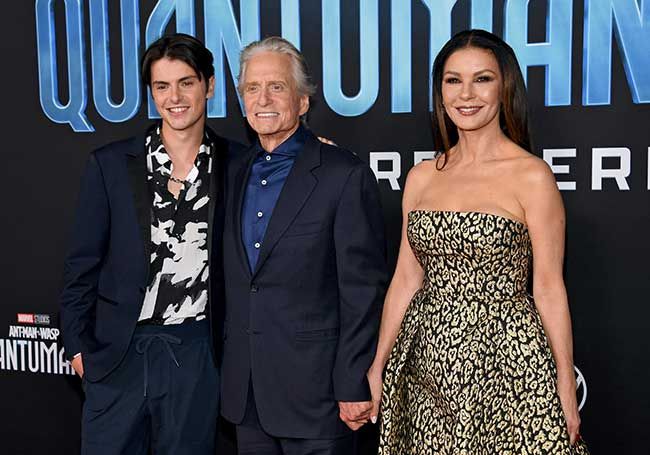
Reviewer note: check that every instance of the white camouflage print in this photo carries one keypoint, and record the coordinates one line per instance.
(178, 289)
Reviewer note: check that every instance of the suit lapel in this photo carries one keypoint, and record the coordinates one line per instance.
(296, 190)
(219, 150)
(240, 183)
(136, 163)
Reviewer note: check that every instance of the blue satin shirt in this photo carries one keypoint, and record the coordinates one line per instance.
(267, 177)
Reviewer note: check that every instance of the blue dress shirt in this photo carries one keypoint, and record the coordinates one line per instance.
(267, 177)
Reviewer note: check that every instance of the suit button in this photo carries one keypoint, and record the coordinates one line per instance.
(254, 288)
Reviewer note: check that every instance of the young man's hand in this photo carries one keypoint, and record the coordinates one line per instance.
(78, 365)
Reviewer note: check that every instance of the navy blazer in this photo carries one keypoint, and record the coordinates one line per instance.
(107, 267)
(303, 325)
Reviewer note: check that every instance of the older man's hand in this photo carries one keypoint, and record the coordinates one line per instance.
(355, 413)
(327, 141)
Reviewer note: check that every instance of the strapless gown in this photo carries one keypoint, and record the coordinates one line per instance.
(471, 372)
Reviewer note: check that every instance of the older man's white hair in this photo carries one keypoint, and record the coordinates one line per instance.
(299, 68)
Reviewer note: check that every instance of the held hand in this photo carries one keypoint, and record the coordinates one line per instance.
(78, 365)
(569, 403)
(324, 140)
(354, 413)
(376, 383)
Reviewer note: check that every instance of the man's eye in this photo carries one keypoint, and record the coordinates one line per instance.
(160, 87)
(251, 89)
(187, 83)
(277, 87)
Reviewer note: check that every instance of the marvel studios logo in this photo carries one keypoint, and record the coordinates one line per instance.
(31, 318)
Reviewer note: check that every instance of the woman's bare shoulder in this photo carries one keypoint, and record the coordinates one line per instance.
(527, 167)
(418, 179)
(421, 174)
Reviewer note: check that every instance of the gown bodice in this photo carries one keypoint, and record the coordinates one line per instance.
(471, 253)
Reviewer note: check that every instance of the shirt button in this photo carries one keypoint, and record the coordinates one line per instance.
(268, 157)
(260, 214)
(257, 245)
(263, 182)
(254, 288)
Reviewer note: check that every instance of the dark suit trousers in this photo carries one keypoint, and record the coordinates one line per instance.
(253, 440)
(163, 396)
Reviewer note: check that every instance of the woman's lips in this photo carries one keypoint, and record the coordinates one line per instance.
(468, 110)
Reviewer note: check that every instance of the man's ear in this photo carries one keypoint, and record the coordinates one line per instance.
(210, 92)
(304, 105)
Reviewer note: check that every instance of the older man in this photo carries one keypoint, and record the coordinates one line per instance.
(305, 272)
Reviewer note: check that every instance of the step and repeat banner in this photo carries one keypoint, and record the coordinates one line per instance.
(70, 83)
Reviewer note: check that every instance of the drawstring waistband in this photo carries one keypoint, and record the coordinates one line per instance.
(143, 344)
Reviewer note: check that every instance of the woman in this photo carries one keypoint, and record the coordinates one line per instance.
(477, 367)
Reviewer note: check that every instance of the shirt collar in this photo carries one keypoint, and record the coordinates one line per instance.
(156, 150)
(290, 147)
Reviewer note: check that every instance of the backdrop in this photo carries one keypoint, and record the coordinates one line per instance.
(71, 84)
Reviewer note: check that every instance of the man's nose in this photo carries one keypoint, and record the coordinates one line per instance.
(264, 99)
(174, 93)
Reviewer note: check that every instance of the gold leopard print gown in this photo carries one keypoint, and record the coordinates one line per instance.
(471, 372)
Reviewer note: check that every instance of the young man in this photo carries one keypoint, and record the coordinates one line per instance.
(143, 274)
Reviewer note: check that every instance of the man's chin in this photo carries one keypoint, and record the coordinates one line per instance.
(178, 124)
(263, 127)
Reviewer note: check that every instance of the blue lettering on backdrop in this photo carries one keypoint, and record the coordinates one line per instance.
(400, 54)
(340, 103)
(439, 30)
(73, 111)
(627, 20)
(482, 14)
(290, 10)
(221, 35)
(439, 13)
(101, 64)
(157, 23)
(554, 54)
(632, 35)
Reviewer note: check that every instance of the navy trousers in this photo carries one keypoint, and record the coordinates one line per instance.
(163, 397)
(253, 440)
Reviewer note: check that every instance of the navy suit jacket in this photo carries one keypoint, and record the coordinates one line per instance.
(107, 267)
(303, 325)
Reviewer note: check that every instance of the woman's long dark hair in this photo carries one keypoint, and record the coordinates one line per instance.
(513, 117)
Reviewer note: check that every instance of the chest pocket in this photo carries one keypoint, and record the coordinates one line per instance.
(298, 229)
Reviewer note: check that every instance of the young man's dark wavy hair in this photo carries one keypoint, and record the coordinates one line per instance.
(178, 46)
(513, 117)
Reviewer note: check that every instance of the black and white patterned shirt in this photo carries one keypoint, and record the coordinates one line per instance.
(178, 290)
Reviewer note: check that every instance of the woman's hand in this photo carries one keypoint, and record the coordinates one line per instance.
(375, 381)
(567, 391)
